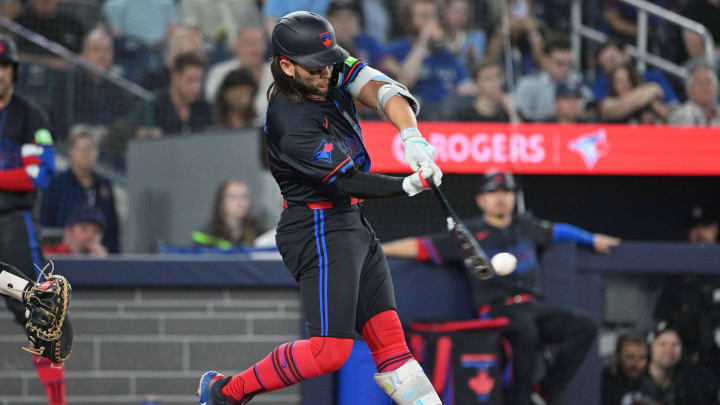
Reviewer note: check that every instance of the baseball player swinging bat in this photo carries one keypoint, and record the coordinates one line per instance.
(473, 255)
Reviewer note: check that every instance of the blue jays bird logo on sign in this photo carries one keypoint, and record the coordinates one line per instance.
(323, 152)
(591, 147)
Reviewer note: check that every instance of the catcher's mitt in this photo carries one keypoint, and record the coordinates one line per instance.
(48, 326)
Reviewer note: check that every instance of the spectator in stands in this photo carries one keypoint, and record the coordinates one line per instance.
(702, 107)
(345, 18)
(44, 18)
(85, 97)
(11, 8)
(613, 54)
(492, 103)
(249, 49)
(273, 10)
(688, 303)
(183, 39)
(427, 66)
(152, 22)
(230, 224)
(82, 235)
(526, 38)
(374, 13)
(179, 109)
(465, 40)
(569, 104)
(621, 381)
(667, 381)
(707, 13)
(219, 21)
(81, 186)
(535, 94)
(630, 99)
(234, 100)
(702, 226)
(532, 321)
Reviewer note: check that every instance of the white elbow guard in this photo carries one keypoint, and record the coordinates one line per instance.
(388, 90)
(385, 92)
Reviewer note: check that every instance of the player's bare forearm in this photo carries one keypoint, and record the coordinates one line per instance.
(397, 109)
(406, 248)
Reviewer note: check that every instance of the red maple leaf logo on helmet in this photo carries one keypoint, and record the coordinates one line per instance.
(328, 147)
(327, 42)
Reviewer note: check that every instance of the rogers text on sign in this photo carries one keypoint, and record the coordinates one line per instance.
(483, 147)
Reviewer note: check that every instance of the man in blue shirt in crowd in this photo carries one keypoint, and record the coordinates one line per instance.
(425, 64)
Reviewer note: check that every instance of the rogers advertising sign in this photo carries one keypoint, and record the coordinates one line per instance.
(553, 148)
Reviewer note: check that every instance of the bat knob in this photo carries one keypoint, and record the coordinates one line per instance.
(483, 272)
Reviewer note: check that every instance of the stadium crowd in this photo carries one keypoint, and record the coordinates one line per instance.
(176, 67)
(194, 66)
(451, 54)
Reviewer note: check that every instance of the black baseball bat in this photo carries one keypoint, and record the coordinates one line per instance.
(474, 256)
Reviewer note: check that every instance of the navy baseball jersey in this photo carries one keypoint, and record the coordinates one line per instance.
(22, 123)
(312, 143)
(524, 238)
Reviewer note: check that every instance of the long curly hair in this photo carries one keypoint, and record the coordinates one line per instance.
(283, 84)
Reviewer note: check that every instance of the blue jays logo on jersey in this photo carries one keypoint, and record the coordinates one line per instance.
(591, 147)
(323, 152)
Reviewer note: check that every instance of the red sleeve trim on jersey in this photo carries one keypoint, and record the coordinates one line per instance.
(335, 169)
(15, 180)
(422, 254)
(427, 251)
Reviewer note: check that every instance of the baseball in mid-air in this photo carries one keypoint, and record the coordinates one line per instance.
(504, 263)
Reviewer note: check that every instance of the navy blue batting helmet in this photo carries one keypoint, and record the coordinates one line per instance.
(308, 39)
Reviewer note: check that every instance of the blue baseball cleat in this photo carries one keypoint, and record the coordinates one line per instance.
(210, 390)
(205, 392)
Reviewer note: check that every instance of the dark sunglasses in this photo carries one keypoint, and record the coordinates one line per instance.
(311, 71)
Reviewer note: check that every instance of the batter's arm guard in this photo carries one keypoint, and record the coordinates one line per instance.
(38, 159)
(354, 74)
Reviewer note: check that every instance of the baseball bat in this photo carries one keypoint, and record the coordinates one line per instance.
(474, 257)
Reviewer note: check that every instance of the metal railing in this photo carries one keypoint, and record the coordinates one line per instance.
(639, 50)
(73, 58)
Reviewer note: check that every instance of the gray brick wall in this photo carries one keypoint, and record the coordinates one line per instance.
(134, 344)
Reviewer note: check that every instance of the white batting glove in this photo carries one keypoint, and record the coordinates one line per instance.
(420, 180)
(417, 149)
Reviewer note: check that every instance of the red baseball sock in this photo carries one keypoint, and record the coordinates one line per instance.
(290, 364)
(53, 379)
(386, 339)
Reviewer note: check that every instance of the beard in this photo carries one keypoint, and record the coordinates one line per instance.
(307, 89)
